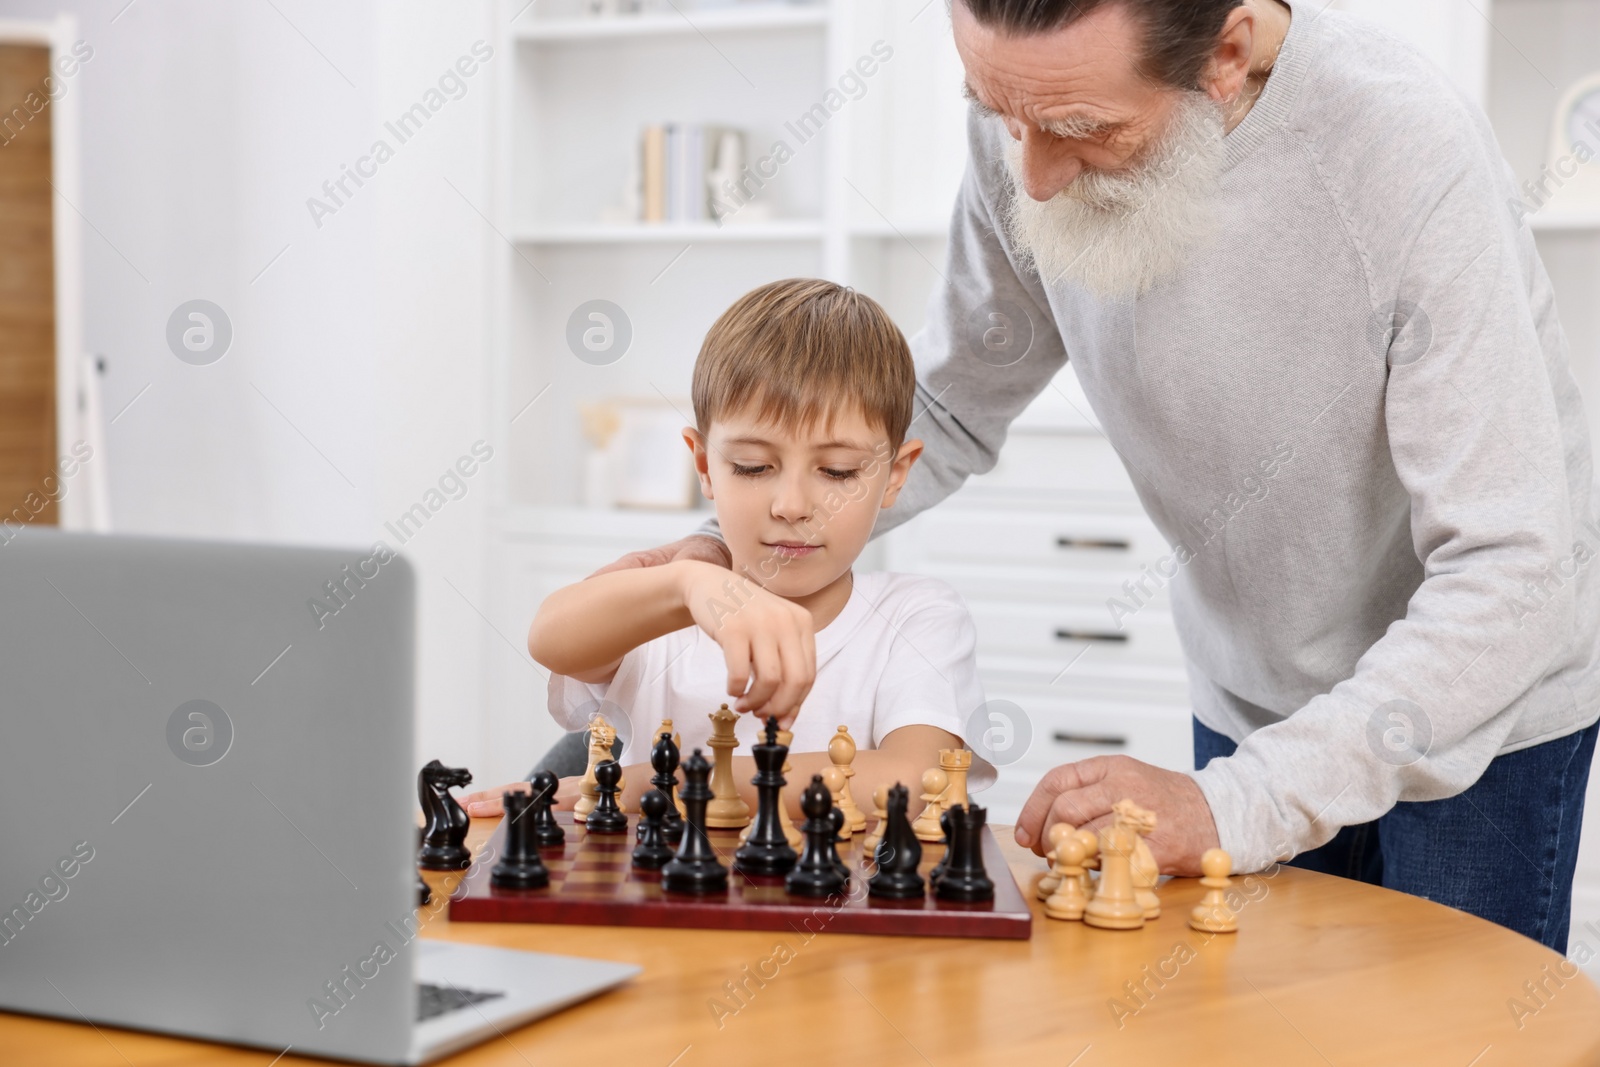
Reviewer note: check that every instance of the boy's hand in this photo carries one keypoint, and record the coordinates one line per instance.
(701, 547)
(761, 634)
(487, 803)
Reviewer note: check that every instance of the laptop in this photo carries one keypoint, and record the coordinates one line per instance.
(209, 787)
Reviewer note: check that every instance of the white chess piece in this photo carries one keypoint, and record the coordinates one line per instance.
(926, 826)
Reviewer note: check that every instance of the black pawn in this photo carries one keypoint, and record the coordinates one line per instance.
(695, 869)
(653, 851)
(898, 854)
(547, 833)
(607, 817)
(664, 760)
(767, 851)
(520, 867)
(964, 878)
(819, 873)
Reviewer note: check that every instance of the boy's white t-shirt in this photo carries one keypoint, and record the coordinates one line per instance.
(902, 652)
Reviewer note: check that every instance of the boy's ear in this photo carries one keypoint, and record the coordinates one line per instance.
(903, 459)
(697, 447)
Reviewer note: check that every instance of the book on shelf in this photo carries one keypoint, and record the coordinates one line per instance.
(677, 159)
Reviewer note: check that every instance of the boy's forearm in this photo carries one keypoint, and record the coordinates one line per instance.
(590, 624)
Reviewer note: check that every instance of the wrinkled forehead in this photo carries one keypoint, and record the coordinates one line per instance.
(1086, 68)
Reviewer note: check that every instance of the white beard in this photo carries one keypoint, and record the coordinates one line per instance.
(1118, 233)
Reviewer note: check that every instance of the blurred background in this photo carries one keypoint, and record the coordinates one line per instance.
(435, 275)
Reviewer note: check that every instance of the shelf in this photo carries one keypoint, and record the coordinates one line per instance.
(647, 233)
(748, 17)
(1564, 221)
(923, 230)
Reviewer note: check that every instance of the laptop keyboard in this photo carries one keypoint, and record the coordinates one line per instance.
(436, 1000)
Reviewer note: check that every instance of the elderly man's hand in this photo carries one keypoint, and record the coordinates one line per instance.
(1082, 794)
(702, 547)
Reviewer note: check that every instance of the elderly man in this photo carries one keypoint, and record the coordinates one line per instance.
(1273, 239)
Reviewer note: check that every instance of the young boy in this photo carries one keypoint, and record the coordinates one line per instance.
(802, 394)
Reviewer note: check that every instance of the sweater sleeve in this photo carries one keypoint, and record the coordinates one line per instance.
(1475, 442)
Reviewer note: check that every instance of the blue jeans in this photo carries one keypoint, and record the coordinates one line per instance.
(1504, 850)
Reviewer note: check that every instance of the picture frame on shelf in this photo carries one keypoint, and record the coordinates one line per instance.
(1573, 164)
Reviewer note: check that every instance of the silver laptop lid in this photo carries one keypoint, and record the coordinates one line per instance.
(206, 774)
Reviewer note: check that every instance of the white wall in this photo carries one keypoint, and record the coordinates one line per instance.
(1452, 33)
(205, 128)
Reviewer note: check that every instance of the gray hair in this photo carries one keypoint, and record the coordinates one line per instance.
(1179, 35)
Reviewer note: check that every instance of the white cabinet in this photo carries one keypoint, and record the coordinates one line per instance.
(1038, 548)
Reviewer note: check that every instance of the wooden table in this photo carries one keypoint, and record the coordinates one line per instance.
(1322, 971)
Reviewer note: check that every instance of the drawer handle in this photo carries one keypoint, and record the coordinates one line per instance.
(1108, 740)
(1088, 635)
(1090, 542)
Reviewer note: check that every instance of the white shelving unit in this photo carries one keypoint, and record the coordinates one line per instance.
(682, 232)
(853, 202)
(753, 16)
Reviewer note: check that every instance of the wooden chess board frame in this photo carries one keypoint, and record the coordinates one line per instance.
(593, 882)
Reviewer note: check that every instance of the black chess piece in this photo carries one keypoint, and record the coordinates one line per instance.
(547, 833)
(944, 860)
(695, 868)
(653, 851)
(836, 819)
(664, 760)
(520, 866)
(424, 894)
(607, 817)
(898, 854)
(819, 873)
(444, 838)
(964, 878)
(767, 850)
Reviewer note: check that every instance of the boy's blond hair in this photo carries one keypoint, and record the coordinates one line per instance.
(800, 349)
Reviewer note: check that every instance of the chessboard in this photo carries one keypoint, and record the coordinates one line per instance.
(593, 882)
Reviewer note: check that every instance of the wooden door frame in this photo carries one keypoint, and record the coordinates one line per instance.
(76, 408)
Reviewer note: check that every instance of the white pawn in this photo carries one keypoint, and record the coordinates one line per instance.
(842, 753)
(837, 784)
(927, 828)
(1091, 859)
(1068, 901)
(880, 812)
(1052, 877)
(1212, 915)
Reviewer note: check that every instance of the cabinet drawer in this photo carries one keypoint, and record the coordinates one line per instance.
(1062, 633)
(1085, 676)
(1060, 732)
(1048, 585)
(1115, 543)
